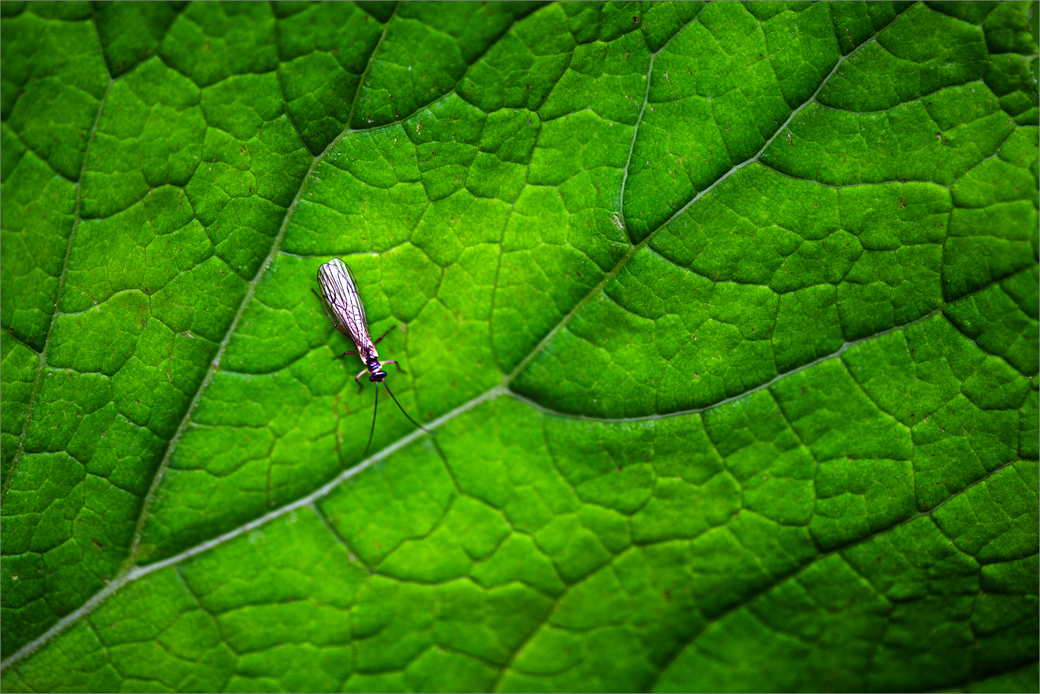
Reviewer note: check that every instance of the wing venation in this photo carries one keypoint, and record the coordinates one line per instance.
(345, 307)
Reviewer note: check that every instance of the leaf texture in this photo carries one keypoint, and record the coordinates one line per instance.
(725, 316)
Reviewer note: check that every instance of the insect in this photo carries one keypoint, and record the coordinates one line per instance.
(339, 297)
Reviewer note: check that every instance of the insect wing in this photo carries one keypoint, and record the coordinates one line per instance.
(344, 304)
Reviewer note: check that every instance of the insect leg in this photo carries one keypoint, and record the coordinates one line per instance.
(357, 379)
(394, 361)
(384, 334)
(340, 356)
(373, 429)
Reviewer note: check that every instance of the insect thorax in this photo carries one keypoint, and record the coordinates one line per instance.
(368, 354)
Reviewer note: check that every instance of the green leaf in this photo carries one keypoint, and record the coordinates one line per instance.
(725, 318)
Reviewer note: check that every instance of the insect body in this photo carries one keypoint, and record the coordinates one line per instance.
(339, 297)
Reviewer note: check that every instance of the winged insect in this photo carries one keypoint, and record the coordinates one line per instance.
(339, 297)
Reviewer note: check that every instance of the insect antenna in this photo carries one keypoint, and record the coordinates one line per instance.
(373, 429)
(402, 410)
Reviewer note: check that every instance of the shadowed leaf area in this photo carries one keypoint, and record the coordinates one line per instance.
(725, 318)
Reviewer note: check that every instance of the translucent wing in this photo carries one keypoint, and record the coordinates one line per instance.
(344, 305)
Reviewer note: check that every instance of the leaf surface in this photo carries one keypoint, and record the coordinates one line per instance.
(725, 317)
